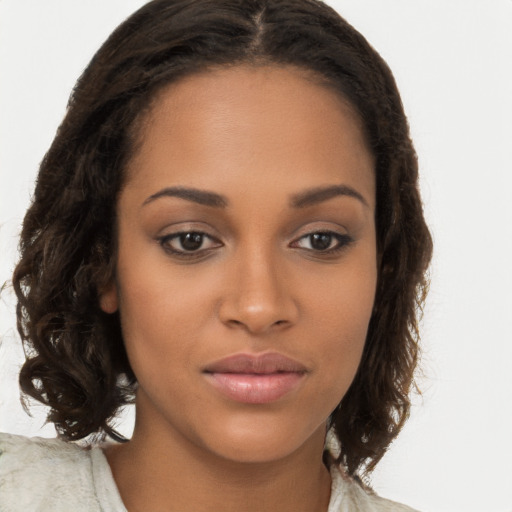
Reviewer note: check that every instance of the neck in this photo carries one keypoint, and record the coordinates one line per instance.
(157, 471)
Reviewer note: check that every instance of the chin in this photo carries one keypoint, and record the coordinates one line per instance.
(259, 442)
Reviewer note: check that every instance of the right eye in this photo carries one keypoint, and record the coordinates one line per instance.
(188, 243)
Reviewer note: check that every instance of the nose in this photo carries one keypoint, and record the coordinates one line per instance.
(259, 298)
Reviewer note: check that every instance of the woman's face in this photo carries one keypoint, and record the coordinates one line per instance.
(246, 269)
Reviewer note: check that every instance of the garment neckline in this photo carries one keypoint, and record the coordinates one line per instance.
(110, 499)
(105, 486)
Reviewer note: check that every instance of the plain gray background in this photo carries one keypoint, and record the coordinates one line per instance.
(452, 60)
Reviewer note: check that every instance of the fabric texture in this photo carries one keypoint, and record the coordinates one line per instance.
(46, 475)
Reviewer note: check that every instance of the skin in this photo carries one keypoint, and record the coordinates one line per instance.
(262, 138)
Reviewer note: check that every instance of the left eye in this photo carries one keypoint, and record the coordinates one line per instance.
(188, 242)
(322, 241)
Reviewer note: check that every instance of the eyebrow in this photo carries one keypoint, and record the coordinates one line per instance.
(303, 199)
(195, 195)
(318, 195)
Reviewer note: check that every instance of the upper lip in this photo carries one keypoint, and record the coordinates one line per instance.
(260, 364)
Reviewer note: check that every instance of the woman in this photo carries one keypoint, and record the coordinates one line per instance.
(228, 228)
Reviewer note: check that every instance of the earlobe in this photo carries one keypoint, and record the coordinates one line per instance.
(108, 298)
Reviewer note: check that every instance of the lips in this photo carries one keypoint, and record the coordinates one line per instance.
(255, 379)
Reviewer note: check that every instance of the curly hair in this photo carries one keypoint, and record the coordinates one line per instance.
(75, 358)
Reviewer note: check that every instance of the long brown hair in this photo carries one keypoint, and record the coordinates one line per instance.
(76, 362)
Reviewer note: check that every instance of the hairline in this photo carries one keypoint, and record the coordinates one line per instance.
(151, 100)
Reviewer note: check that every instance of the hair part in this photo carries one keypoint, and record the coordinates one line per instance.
(76, 362)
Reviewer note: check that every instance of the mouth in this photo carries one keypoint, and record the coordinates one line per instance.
(255, 379)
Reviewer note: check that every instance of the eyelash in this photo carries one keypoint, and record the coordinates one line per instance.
(342, 240)
(165, 242)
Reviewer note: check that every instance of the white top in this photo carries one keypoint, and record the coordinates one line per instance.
(53, 475)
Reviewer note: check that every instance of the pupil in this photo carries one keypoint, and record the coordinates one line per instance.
(191, 241)
(321, 241)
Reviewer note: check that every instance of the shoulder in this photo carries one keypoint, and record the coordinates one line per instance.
(45, 474)
(347, 495)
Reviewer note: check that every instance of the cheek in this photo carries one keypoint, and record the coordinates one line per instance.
(166, 315)
(340, 315)
(152, 313)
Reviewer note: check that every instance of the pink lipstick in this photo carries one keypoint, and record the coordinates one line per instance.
(255, 379)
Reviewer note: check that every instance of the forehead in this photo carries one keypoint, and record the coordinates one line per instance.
(260, 120)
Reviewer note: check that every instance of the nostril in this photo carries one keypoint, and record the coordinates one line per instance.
(253, 327)
(257, 312)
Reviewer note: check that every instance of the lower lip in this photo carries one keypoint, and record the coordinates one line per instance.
(255, 388)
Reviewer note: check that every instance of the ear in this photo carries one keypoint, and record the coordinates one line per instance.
(109, 301)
